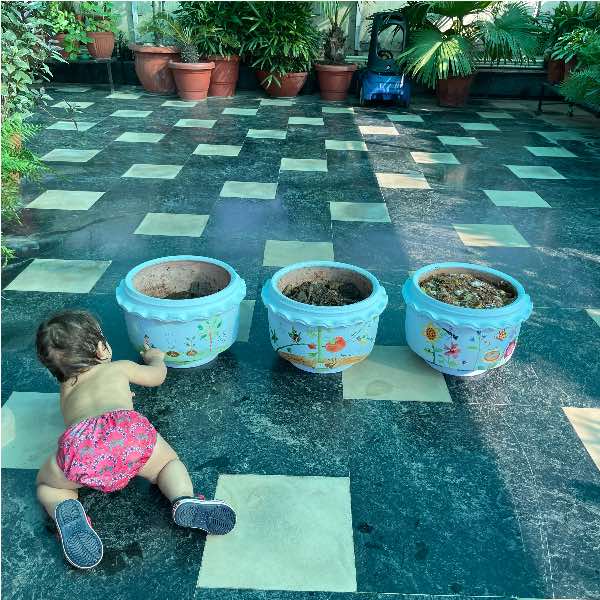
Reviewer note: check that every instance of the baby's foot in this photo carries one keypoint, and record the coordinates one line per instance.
(212, 516)
(81, 544)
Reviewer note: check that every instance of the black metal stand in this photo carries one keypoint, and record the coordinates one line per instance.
(106, 61)
(554, 88)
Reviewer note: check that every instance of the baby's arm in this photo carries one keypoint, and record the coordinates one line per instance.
(152, 374)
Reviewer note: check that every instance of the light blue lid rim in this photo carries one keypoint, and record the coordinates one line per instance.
(132, 301)
(324, 316)
(482, 318)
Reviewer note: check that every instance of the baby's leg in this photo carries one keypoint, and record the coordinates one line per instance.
(166, 470)
(80, 543)
(53, 487)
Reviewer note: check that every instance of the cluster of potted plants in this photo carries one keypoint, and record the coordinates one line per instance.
(279, 39)
(448, 39)
(195, 50)
(92, 28)
(563, 33)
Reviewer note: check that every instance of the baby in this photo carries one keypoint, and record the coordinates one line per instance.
(106, 442)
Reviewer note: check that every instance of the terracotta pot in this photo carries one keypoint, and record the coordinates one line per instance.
(60, 40)
(454, 91)
(291, 84)
(103, 44)
(152, 67)
(192, 79)
(334, 80)
(556, 70)
(223, 80)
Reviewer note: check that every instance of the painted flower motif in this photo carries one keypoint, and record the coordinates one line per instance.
(312, 346)
(172, 353)
(491, 356)
(339, 343)
(294, 335)
(501, 335)
(453, 350)
(431, 332)
(510, 349)
(274, 336)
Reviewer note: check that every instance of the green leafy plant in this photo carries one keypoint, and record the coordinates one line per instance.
(583, 84)
(565, 18)
(335, 38)
(99, 16)
(450, 38)
(217, 26)
(62, 20)
(25, 52)
(282, 38)
(569, 45)
(18, 162)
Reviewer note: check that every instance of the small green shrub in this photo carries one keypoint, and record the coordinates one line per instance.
(281, 38)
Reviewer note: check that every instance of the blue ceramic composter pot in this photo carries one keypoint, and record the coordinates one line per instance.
(463, 341)
(188, 306)
(323, 339)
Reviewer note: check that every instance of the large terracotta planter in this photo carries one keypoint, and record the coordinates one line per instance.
(192, 79)
(60, 40)
(102, 45)
(291, 84)
(556, 70)
(334, 80)
(454, 91)
(224, 78)
(152, 67)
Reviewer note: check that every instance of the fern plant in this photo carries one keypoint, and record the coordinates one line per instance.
(583, 84)
(449, 38)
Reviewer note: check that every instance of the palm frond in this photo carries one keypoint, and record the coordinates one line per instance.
(458, 9)
(435, 55)
(510, 35)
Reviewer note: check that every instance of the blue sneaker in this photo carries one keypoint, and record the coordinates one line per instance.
(80, 543)
(213, 516)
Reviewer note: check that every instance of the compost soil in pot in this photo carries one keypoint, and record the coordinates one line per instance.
(324, 293)
(468, 290)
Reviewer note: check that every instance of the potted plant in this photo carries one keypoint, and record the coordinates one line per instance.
(189, 306)
(191, 74)
(323, 315)
(448, 38)
(67, 29)
(464, 319)
(583, 84)
(219, 30)
(334, 73)
(282, 42)
(100, 24)
(565, 18)
(152, 59)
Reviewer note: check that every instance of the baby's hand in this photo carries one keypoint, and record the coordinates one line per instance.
(152, 355)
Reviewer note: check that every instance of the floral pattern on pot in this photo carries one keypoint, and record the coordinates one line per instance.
(463, 341)
(323, 339)
(322, 349)
(191, 331)
(186, 344)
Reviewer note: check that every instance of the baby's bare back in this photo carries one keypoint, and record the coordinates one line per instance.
(101, 389)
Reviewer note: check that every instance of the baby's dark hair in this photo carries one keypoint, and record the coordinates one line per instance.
(67, 343)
